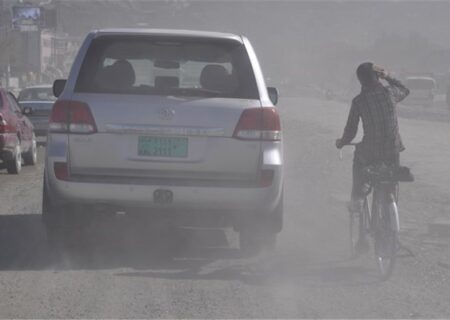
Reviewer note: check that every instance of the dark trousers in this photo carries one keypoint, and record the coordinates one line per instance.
(360, 187)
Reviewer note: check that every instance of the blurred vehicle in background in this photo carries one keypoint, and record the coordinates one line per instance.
(17, 139)
(37, 102)
(422, 91)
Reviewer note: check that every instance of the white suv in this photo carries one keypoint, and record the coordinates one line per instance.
(165, 121)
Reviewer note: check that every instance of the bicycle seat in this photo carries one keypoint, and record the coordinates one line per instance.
(379, 172)
(388, 173)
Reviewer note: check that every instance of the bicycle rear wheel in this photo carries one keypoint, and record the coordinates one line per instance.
(385, 234)
(385, 263)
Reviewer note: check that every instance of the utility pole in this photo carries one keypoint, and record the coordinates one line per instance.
(5, 43)
(2, 38)
(58, 17)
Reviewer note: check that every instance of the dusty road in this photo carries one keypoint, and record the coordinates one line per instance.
(124, 275)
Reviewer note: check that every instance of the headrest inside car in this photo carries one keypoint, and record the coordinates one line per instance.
(119, 75)
(215, 77)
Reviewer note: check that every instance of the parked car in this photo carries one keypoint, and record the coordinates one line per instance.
(128, 135)
(17, 139)
(37, 102)
(422, 91)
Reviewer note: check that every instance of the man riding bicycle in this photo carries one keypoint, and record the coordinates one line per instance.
(381, 143)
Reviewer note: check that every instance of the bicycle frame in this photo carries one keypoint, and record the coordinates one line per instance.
(380, 219)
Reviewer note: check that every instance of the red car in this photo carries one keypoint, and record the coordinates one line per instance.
(17, 139)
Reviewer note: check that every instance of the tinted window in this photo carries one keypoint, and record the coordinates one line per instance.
(37, 94)
(144, 65)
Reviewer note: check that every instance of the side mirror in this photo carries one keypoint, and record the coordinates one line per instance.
(58, 87)
(273, 95)
(27, 111)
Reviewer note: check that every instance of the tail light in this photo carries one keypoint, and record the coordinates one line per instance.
(61, 171)
(5, 127)
(3, 124)
(259, 124)
(72, 117)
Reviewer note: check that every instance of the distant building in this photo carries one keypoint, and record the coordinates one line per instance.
(57, 54)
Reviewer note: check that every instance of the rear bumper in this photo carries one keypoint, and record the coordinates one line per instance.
(191, 196)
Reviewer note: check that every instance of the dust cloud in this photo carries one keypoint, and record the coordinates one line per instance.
(305, 47)
(309, 50)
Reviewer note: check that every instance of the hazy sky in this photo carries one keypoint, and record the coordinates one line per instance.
(355, 21)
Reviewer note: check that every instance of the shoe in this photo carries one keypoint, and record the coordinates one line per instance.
(355, 206)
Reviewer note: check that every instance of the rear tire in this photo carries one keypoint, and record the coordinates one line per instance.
(30, 157)
(386, 239)
(385, 258)
(14, 165)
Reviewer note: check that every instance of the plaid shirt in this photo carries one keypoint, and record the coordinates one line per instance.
(375, 106)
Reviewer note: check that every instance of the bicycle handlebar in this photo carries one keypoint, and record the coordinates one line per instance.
(348, 144)
(352, 144)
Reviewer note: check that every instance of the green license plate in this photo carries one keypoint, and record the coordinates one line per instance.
(163, 147)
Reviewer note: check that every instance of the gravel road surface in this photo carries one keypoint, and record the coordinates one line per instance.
(123, 274)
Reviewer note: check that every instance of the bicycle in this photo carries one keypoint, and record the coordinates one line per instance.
(381, 219)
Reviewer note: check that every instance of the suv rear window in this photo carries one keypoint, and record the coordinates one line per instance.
(167, 66)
